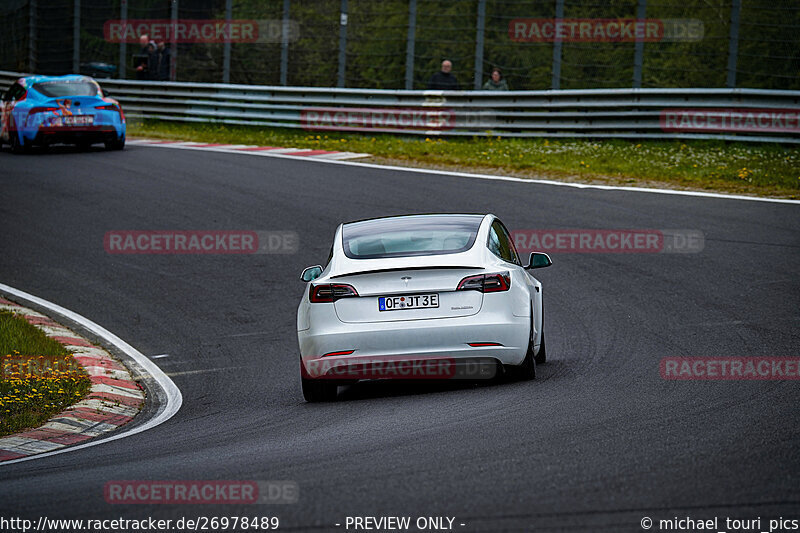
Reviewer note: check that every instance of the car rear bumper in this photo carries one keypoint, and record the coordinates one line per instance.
(94, 134)
(438, 367)
(499, 336)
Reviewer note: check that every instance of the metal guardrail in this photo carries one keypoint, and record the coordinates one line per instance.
(727, 114)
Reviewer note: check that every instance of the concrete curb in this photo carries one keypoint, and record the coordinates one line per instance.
(262, 150)
(114, 399)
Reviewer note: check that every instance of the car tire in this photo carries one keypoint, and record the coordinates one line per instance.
(541, 357)
(115, 144)
(319, 390)
(526, 370)
(17, 147)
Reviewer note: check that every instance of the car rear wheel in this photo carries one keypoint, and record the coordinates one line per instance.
(17, 146)
(316, 390)
(527, 369)
(115, 144)
(541, 357)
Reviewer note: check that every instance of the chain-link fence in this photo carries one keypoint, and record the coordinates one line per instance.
(397, 44)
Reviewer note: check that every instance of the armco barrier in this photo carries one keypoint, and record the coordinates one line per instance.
(728, 114)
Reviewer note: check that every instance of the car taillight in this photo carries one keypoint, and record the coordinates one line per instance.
(486, 282)
(330, 292)
(112, 107)
(35, 110)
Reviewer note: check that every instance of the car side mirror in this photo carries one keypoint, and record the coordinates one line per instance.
(539, 260)
(311, 273)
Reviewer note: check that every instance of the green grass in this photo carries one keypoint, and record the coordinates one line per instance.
(16, 334)
(743, 168)
(38, 378)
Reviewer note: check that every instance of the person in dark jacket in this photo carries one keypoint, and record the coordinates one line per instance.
(164, 57)
(444, 80)
(496, 82)
(146, 61)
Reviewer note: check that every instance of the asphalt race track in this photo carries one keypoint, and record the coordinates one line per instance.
(597, 442)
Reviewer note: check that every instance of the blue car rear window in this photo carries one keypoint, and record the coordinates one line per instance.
(55, 89)
(410, 236)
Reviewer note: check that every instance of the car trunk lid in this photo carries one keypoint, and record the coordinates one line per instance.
(402, 285)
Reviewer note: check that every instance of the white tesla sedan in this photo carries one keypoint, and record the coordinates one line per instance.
(422, 297)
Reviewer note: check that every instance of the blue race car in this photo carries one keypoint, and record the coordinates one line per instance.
(72, 109)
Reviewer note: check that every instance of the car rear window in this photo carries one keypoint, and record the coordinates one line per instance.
(56, 89)
(410, 236)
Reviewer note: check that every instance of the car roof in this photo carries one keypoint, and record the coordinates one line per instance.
(419, 215)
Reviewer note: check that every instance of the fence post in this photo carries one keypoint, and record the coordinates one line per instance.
(226, 58)
(556, 84)
(32, 36)
(173, 53)
(123, 46)
(733, 43)
(479, 43)
(638, 55)
(285, 42)
(76, 36)
(342, 44)
(410, 43)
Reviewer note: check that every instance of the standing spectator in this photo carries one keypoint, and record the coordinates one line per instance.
(146, 61)
(496, 82)
(164, 57)
(443, 79)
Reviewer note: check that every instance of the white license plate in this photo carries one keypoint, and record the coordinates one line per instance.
(78, 120)
(408, 301)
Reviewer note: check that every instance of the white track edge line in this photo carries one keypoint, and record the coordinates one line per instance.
(654, 190)
(168, 408)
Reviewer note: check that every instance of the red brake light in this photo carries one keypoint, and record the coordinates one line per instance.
(330, 292)
(486, 282)
(343, 352)
(42, 110)
(112, 107)
(482, 344)
(497, 282)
